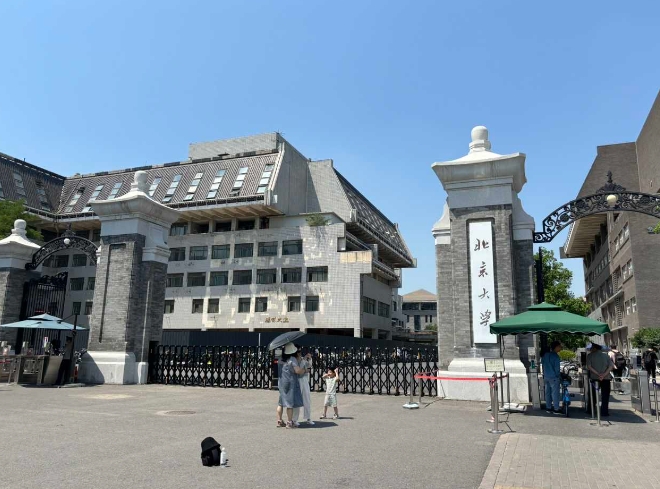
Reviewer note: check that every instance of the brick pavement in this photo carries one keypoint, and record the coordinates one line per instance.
(525, 461)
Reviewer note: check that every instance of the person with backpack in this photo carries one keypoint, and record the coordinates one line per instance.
(650, 361)
(618, 360)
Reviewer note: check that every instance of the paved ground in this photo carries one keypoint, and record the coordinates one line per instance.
(117, 437)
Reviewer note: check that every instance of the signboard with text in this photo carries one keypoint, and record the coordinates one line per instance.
(482, 279)
(494, 364)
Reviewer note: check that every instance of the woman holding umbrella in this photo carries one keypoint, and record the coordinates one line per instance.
(289, 386)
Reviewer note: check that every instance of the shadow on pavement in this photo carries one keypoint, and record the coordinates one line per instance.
(616, 415)
(317, 424)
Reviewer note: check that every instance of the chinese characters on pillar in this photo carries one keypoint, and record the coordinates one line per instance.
(482, 281)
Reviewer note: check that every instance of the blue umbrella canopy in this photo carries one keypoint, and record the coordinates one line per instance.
(40, 324)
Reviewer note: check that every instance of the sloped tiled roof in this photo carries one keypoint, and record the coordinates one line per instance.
(207, 167)
(19, 180)
(421, 295)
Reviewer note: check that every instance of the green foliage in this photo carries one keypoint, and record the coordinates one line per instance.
(566, 355)
(316, 220)
(656, 230)
(431, 327)
(557, 280)
(646, 338)
(9, 212)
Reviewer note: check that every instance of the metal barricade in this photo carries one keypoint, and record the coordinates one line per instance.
(640, 397)
(655, 402)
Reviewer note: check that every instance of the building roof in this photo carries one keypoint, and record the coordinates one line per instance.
(421, 295)
(39, 188)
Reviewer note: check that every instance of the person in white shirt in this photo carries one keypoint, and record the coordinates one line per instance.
(305, 362)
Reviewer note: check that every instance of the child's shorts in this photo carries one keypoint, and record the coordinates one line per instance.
(330, 400)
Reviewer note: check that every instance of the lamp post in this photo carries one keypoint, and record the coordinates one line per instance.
(73, 343)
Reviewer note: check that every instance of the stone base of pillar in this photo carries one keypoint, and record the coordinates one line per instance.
(109, 367)
(475, 390)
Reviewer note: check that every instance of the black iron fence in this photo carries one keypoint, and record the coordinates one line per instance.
(384, 371)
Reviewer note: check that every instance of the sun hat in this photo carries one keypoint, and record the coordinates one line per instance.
(589, 345)
(290, 349)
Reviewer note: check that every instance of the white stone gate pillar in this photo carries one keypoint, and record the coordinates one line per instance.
(484, 257)
(130, 286)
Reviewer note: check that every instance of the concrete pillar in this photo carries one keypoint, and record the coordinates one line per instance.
(484, 256)
(15, 252)
(130, 286)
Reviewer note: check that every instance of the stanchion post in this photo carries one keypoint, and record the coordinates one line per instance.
(501, 380)
(420, 384)
(592, 390)
(597, 401)
(494, 406)
(412, 379)
(508, 390)
(655, 400)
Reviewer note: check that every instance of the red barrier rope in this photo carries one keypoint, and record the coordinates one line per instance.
(472, 379)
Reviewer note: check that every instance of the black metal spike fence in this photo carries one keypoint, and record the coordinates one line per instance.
(387, 371)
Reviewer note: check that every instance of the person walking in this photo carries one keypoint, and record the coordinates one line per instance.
(289, 386)
(619, 361)
(650, 361)
(551, 377)
(65, 367)
(600, 366)
(305, 363)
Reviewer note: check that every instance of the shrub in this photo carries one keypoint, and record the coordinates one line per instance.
(566, 355)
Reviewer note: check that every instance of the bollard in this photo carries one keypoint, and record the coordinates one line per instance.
(411, 404)
(501, 380)
(508, 390)
(420, 384)
(655, 401)
(597, 403)
(494, 407)
(592, 389)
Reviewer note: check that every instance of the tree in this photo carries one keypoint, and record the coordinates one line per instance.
(12, 210)
(431, 327)
(316, 220)
(557, 280)
(646, 338)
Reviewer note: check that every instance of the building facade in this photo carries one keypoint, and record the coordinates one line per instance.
(420, 309)
(618, 249)
(266, 239)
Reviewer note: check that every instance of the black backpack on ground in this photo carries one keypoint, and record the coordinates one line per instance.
(210, 452)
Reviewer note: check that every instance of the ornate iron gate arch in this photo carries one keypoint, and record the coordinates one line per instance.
(67, 241)
(609, 198)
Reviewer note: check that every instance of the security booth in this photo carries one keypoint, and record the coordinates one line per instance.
(547, 318)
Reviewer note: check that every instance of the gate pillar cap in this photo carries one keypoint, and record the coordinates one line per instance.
(16, 249)
(18, 237)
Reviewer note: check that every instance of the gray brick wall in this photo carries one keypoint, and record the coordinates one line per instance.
(523, 258)
(11, 297)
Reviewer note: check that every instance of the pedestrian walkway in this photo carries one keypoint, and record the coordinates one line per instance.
(523, 461)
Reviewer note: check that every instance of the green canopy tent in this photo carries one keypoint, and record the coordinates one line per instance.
(548, 318)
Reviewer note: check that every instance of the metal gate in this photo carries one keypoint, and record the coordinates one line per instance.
(44, 295)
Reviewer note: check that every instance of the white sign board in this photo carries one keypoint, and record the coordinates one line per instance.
(482, 279)
(494, 364)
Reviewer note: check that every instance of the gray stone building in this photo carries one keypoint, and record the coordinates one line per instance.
(619, 254)
(421, 310)
(247, 252)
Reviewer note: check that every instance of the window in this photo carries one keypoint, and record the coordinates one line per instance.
(77, 283)
(179, 229)
(626, 231)
(238, 183)
(61, 261)
(368, 305)
(2, 193)
(174, 280)
(177, 254)
(268, 248)
(198, 306)
(293, 247)
(223, 227)
(79, 260)
(265, 178)
(429, 306)
(633, 305)
(267, 276)
(214, 306)
(261, 304)
(317, 274)
(220, 252)
(152, 191)
(312, 303)
(293, 304)
(197, 279)
(630, 267)
(193, 187)
(394, 306)
(91, 283)
(43, 199)
(198, 252)
(20, 188)
(628, 311)
(219, 278)
(172, 188)
(95, 194)
(383, 310)
(169, 307)
(88, 307)
(199, 228)
(76, 308)
(96, 235)
(245, 225)
(74, 200)
(242, 277)
(291, 275)
(215, 186)
(243, 250)
(244, 305)
(115, 190)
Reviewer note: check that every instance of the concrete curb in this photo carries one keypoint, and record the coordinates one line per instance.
(490, 476)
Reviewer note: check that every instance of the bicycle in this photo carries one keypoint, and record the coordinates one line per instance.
(566, 381)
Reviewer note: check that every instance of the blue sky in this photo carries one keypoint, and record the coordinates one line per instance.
(384, 89)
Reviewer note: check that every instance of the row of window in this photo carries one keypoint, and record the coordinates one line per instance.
(77, 307)
(241, 250)
(62, 261)
(294, 304)
(416, 306)
(244, 277)
(78, 283)
(627, 269)
(427, 319)
(181, 228)
(621, 238)
(371, 306)
(631, 306)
